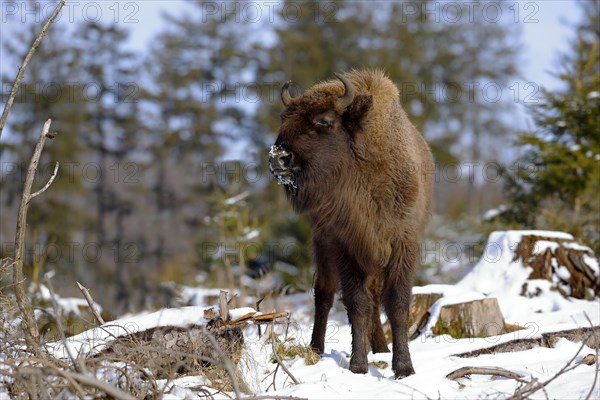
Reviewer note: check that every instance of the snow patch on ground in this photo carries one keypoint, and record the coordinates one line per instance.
(498, 274)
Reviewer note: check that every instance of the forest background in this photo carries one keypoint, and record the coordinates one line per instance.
(163, 150)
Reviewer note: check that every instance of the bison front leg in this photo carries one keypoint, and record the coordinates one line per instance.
(324, 295)
(325, 288)
(359, 304)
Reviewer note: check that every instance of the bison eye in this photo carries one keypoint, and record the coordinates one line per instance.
(322, 122)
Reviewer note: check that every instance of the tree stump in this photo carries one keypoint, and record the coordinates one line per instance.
(478, 318)
(572, 268)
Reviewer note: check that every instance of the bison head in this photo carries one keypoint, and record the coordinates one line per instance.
(314, 149)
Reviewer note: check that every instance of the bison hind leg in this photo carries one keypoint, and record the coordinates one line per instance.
(377, 336)
(396, 301)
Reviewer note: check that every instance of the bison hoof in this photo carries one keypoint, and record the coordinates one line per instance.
(403, 371)
(359, 366)
(317, 349)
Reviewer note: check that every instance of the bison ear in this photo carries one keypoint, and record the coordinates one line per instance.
(356, 111)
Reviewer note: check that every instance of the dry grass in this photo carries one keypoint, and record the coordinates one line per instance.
(138, 369)
(131, 366)
(288, 350)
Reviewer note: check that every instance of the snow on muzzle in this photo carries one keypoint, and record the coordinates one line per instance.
(281, 165)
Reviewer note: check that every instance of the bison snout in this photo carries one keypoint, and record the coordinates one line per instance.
(280, 160)
(281, 164)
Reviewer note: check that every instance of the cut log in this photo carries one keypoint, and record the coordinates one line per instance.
(478, 318)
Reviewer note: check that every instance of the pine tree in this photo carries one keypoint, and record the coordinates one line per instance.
(84, 80)
(111, 137)
(195, 108)
(555, 185)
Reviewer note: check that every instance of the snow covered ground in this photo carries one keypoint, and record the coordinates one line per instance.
(498, 274)
(433, 358)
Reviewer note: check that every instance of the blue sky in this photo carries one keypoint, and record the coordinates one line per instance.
(547, 38)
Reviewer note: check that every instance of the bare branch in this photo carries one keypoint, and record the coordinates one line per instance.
(461, 372)
(106, 388)
(226, 361)
(21, 73)
(91, 303)
(534, 386)
(279, 362)
(597, 366)
(51, 369)
(31, 330)
(568, 366)
(60, 372)
(42, 190)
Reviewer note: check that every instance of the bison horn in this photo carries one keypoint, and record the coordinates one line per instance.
(349, 92)
(285, 94)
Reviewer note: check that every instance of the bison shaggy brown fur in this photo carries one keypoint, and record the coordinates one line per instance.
(352, 161)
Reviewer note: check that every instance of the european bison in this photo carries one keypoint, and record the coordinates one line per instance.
(349, 157)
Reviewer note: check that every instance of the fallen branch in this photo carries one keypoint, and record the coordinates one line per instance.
(21, 73)
(31, 330)
(532, 385)
(464, 371)
(588, 335)
(88, 297)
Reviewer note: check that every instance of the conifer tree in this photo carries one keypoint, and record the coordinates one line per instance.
(555, 185)
(195, 108)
